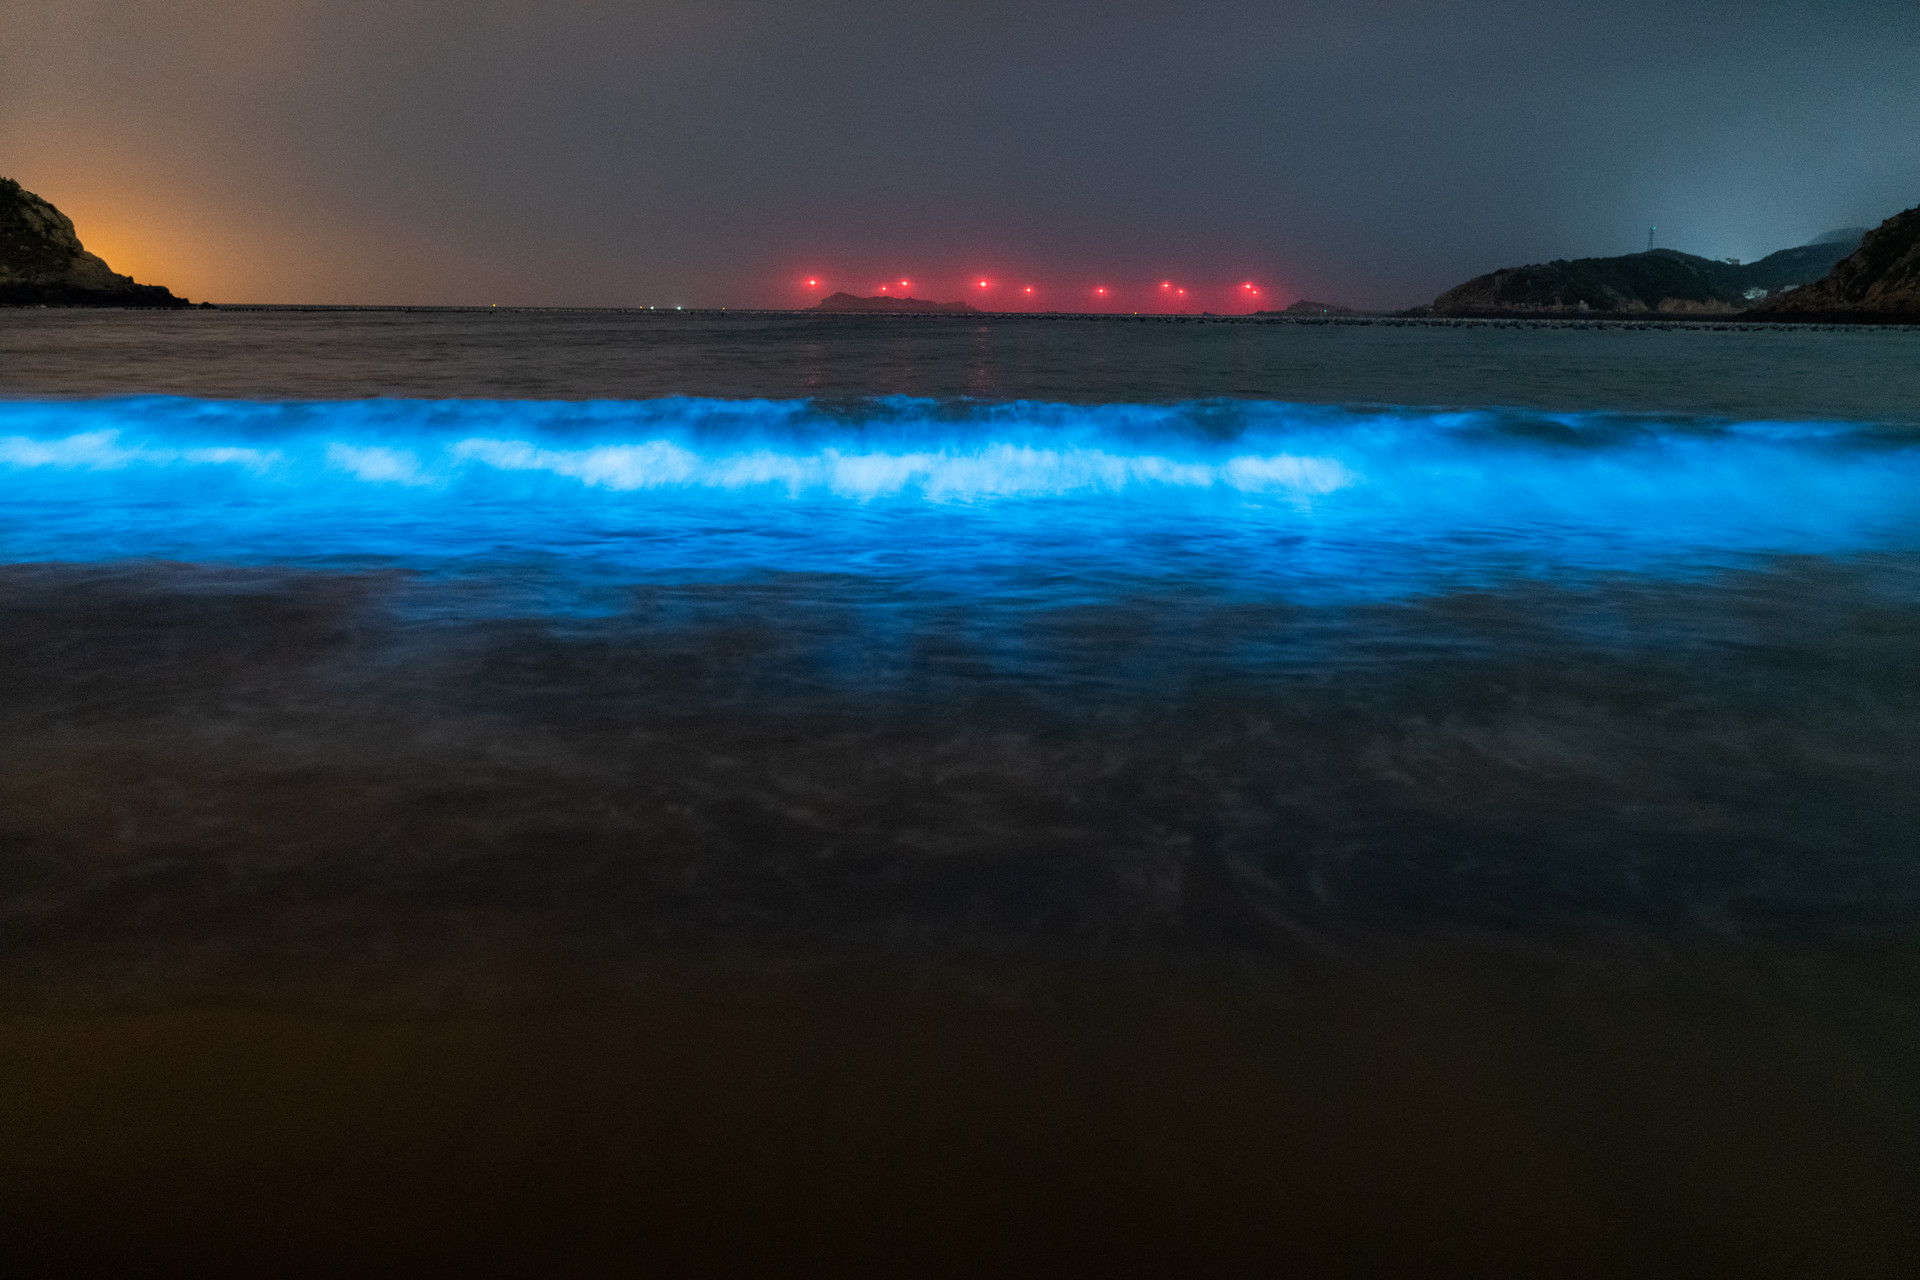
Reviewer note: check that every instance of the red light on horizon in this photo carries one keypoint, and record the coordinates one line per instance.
(1104, 293)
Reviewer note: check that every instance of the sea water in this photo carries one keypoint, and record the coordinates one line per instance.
(1066, 528)
(337, 644)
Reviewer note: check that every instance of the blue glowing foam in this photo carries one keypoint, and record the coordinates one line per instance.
(1310, 502)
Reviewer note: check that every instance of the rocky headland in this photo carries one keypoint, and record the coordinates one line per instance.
(848, 302)
(42, 262)
(1658, 282)
(1879, 283)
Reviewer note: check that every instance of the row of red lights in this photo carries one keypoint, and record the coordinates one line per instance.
(1248, 289)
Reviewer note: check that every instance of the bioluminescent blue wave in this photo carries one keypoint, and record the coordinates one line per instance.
(1314, 502)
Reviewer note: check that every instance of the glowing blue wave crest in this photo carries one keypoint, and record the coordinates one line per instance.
(1309, 500)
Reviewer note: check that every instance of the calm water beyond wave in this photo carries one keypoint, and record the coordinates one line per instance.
(1454, 791)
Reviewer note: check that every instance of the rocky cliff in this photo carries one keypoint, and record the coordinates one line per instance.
(1878, 283)
(1658, 282)
(848, 302)
(42, 262)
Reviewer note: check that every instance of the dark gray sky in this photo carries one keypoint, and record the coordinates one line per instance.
(718, 153)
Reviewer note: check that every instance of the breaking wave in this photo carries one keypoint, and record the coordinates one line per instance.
(1348, 501)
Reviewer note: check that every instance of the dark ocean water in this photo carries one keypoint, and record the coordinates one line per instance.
(1007, 794)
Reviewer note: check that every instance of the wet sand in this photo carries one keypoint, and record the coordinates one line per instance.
(1695, 1114)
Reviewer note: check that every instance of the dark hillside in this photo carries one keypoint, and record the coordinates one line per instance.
(1804, 264)
(42, 262)
(1660, 281)
(1878, 283)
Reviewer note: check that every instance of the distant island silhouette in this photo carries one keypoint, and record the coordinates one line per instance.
(849, 302)
(43, 264)
(1657, 282)
(1308, 307)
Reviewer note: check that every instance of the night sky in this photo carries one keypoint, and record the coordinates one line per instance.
(719, 153)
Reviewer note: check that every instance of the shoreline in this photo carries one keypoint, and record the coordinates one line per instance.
(1730, 323)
